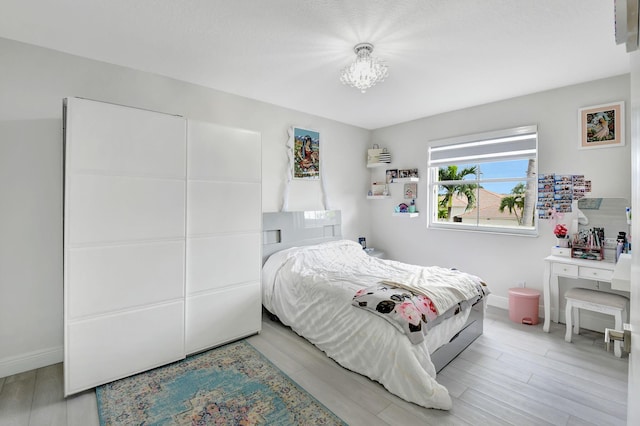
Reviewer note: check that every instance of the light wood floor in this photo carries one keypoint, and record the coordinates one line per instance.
(514, 374)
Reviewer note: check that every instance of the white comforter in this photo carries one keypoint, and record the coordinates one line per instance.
(310, 289)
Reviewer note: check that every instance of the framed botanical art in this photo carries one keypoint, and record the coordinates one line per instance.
(601, 126)
(306, 154)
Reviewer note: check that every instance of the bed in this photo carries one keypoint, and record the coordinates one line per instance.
(329, 291)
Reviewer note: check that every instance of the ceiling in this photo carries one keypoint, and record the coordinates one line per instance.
(442, 55)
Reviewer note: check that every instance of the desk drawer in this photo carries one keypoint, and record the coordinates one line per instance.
(565, 270)
(595, 274)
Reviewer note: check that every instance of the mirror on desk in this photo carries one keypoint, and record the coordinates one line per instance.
(607, 213)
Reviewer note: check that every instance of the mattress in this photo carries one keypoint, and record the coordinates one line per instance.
(311, 289)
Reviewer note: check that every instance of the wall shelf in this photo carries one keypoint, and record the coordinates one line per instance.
(405, 180)
(407, 215)
(378, 197)
(371, 165)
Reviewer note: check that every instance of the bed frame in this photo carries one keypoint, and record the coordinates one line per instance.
(284, 230)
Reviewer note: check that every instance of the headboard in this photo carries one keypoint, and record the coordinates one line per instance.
(282, 230)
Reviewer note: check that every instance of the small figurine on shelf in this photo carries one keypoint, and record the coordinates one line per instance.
(412, 206)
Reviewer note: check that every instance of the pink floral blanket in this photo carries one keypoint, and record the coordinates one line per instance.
(412, 314)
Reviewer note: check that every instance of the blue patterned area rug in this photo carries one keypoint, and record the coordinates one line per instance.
(230, 385)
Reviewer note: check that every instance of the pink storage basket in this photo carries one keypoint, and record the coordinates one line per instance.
(523, 305)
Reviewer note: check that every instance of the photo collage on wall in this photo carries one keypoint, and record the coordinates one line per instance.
(557, 192)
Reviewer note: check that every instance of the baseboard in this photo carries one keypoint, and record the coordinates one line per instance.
(30, 361)
(498, 301)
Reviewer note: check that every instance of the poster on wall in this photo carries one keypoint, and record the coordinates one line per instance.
(306, 154)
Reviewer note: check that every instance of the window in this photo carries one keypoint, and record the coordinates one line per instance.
(485, 182)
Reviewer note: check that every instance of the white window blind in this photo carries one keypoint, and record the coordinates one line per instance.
(520, 142)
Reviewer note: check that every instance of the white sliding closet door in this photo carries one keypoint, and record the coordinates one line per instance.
(124, 241)
(224, 223)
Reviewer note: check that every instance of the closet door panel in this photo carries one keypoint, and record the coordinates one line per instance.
(219, 207)
(222, 316)
(220, 261)
(115, 208)
(110, 347)
(218, 152)
(224, 221)
(124, 241)
(145, 273)
(131, 141)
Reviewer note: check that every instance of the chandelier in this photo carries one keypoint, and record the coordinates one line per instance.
(365, 71)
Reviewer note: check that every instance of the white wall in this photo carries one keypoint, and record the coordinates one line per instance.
(502, 260)
(33, 82)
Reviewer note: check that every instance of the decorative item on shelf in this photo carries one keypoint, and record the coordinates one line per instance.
(377, 156)
(408, 173)
(391, 174)
(412, 206)
(402, 208)
(561, 232)
(405, 175)
(378, 188)
(373, 154)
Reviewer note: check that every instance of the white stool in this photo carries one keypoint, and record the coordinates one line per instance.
(597, 301)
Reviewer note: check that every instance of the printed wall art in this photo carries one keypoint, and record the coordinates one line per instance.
(601, 126)
(306, 154)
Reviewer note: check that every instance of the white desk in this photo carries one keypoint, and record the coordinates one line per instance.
(559, 266)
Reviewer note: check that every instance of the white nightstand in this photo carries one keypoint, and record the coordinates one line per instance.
(373, 252)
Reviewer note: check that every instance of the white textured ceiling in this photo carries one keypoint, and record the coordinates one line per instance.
(442, 55)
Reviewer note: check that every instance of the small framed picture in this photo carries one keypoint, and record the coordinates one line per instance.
(410, 190)
(601, 126)
(391, 175)
(408, 173)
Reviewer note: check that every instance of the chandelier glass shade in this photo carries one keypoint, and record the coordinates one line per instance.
(365, 71)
